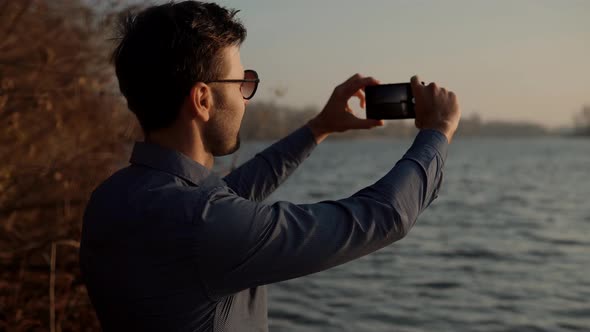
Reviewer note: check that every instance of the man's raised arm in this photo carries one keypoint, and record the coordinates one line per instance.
(253, 244)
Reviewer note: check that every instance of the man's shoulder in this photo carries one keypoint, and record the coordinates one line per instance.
(133, 201)
(140, 192)
(135, 181)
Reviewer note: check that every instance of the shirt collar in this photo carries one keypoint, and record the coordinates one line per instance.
(169, 161)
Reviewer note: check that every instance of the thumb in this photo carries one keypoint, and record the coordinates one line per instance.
(416, 86)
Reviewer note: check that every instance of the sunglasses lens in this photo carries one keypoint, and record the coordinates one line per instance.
(248, 88)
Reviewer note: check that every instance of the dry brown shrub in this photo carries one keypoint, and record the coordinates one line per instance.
(64, 129)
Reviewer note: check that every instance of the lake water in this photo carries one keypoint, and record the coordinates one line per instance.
(505, 247)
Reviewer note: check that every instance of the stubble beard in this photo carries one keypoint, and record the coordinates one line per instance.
(217, 131)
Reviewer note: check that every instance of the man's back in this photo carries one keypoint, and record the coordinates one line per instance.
(136, 253)
(140, 257)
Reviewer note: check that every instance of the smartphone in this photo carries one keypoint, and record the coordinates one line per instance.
(390, 101)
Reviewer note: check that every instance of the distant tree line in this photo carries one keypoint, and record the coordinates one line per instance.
(269, 120)
(582, 122)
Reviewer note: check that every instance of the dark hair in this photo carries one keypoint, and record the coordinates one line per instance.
(164, 50)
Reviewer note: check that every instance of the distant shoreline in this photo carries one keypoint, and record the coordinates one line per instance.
(267, 121)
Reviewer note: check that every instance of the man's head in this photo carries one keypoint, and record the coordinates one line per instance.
(165, 56)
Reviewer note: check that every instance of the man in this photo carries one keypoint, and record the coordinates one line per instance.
(169, 246)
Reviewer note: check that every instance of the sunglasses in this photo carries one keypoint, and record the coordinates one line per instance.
(248, 86)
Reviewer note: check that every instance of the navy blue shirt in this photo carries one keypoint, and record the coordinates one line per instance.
(169, 246)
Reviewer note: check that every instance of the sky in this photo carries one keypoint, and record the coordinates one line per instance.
(513, 60)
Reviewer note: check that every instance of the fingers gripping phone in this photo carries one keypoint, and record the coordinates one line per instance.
(390, 101)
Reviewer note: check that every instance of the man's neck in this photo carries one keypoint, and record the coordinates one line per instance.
(187, 143)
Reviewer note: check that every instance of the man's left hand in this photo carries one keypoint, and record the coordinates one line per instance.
(337, 116)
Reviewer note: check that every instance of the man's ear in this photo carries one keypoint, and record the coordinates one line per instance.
(201, 101)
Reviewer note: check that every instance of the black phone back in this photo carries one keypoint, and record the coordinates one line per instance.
(390, 101)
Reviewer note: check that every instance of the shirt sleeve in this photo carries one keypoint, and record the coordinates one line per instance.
(247, 244)
(256, 179)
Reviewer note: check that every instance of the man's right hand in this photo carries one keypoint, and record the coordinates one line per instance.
(436, 108)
